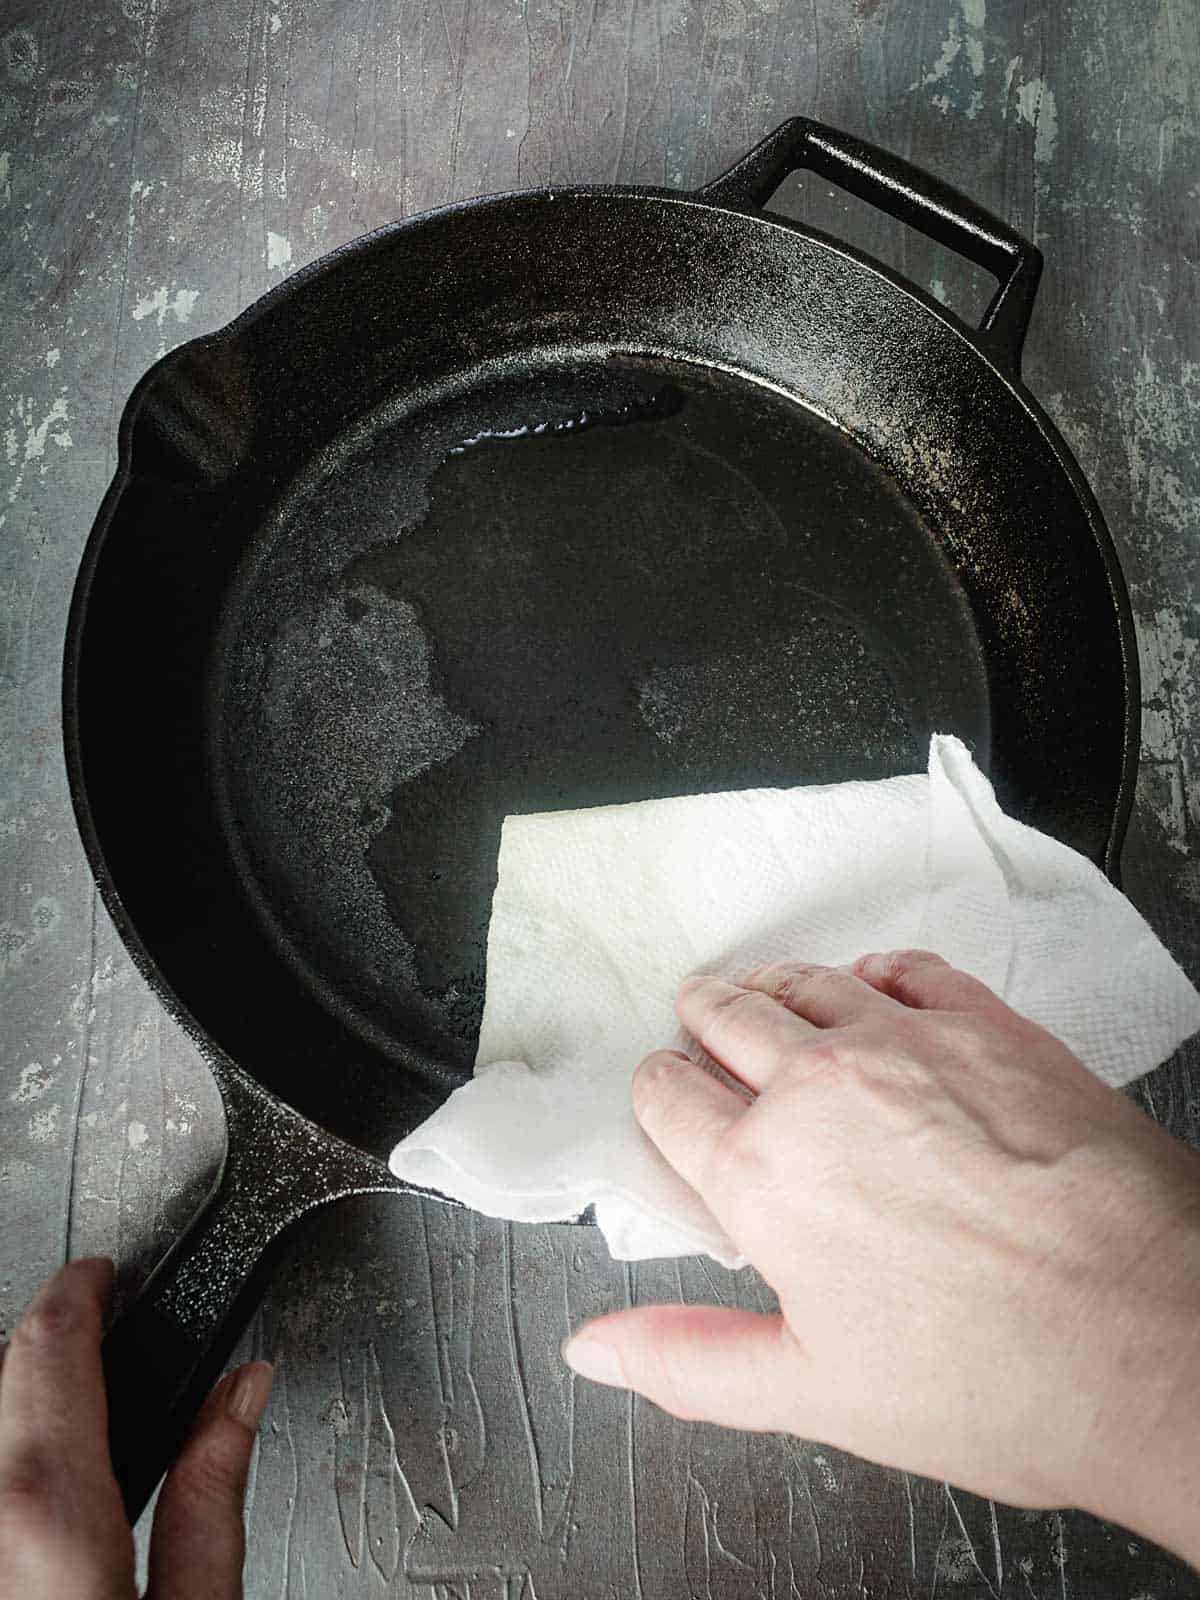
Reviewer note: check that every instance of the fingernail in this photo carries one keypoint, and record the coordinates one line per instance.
(249, 1393)
(592, 1358)
(663, 1061)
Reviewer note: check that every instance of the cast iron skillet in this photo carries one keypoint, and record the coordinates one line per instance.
(555, 499)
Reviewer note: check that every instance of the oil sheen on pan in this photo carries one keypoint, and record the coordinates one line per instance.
(580, 588)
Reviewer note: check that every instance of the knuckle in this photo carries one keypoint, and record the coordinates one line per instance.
(917, 958)
(737, 1000)
(51, 1318)
(737, 1010)
(787, 980)
(30, 1489)
(822, 1058)
(888, 968)
(656, 1081)
(736, 1162)
(648, 1095)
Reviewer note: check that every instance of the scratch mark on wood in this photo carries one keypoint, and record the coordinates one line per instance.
(514, 1346)
(697, 1496)
(291, 1498)
(996, 1545)
(706, 1273)
(937, 1555)
(812, 1516)
(712, 1507)
(383, 1509)
(247, 104)
(631, 1475)
(350, 1463)
(968, 1542)
(912, 1524)
(149, 18)
(85, 1036)
(441, 1326)
(459, 69)
(1060, 1554)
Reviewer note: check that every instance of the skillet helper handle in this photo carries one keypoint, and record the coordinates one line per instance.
(164, 1352)
(911, 196)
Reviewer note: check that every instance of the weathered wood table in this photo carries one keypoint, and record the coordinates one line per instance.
(161, 164)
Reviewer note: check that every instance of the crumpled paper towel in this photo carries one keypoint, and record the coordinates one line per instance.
(598, 915)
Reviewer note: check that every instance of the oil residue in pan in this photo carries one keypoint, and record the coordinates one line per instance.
(564, 591)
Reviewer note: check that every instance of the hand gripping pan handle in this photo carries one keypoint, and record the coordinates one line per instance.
(165, 1351)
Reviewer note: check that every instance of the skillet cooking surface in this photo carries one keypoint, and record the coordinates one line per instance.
(561, 590)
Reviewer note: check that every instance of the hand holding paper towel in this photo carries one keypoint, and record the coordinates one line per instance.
(599, 915)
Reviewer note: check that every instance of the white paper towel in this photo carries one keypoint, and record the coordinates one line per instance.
(598, 915)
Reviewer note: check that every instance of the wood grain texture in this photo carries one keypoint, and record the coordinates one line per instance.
(164, 162)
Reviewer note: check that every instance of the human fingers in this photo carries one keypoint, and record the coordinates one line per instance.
(198, 1543)
(825, 997)
(52, 1383)
(685, 1111)
(924, 981)
(62, 1525)
(741, 1026)
(703, 1363)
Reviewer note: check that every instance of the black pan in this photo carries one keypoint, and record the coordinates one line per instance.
(555, 499)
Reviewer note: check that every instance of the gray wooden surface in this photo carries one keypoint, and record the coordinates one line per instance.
(164, 162)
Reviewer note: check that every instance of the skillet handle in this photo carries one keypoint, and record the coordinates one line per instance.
(162, 1355)
(908, 194)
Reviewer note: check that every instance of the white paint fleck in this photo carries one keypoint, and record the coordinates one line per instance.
(32, 1085)
(962, 47)
(1170, 662)
(938, 290)
(974, 19)
(279, 250)
(137, 1135)
(956, 1561)
(43, 1125)
(1160, 416)
(161, 303)
(827, 1478)
(1037, 106)
(1160, 303)
(52, 356)
(35, 438)
(276, 22)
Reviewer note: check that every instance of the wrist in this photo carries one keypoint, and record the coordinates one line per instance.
(1145, 1472)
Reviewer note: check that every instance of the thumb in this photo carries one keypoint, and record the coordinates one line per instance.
(705, 1364)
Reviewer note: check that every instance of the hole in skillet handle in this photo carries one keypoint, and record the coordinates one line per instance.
(912, 197)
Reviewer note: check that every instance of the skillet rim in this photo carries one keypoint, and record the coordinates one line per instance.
(978, 345)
